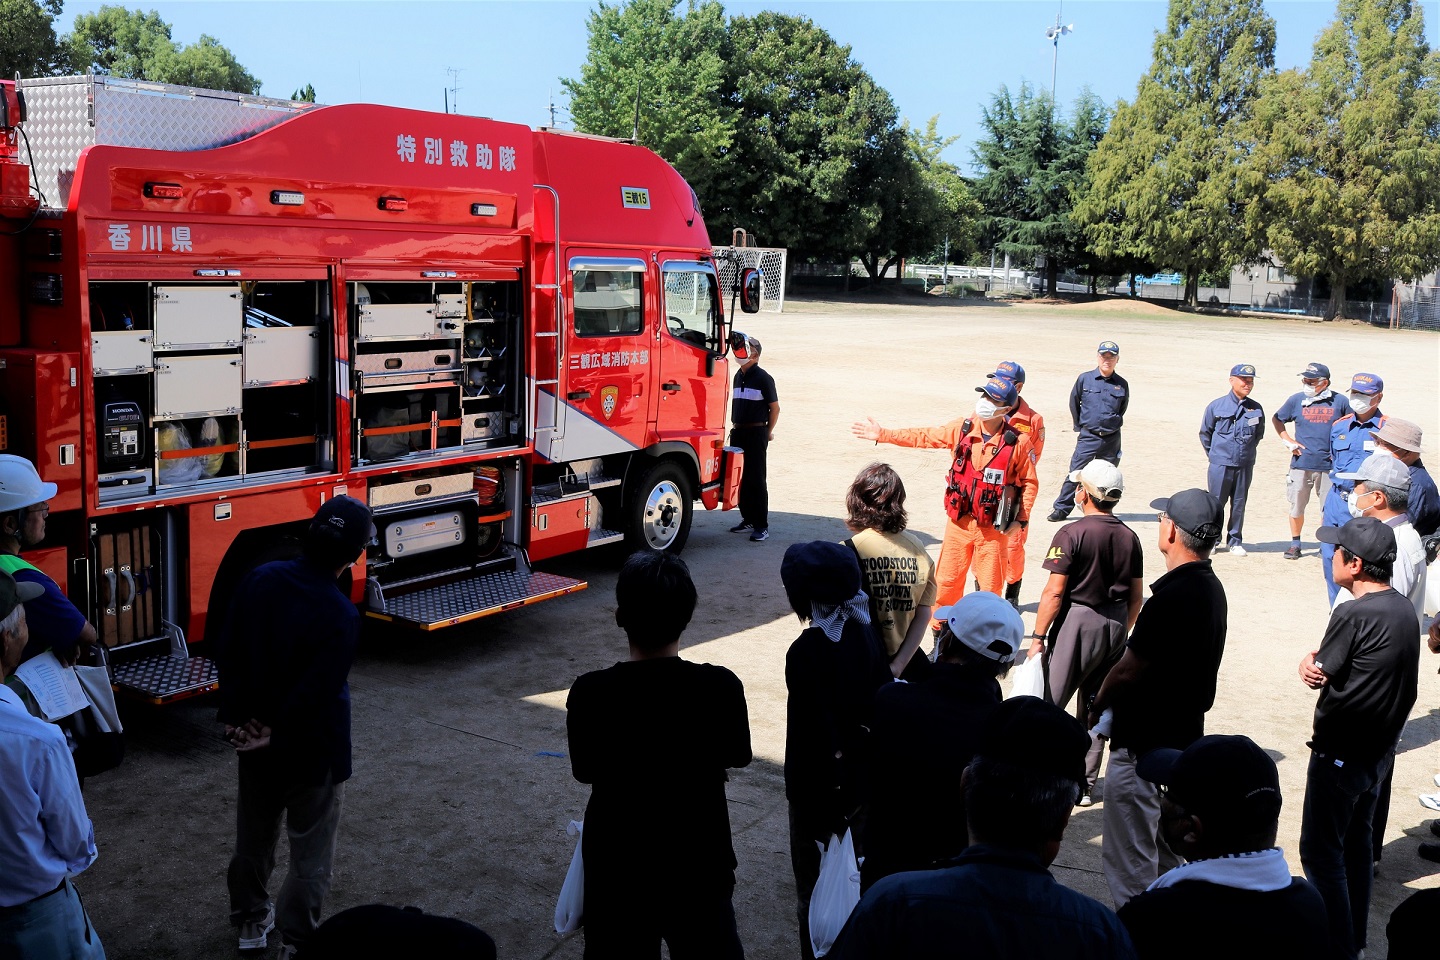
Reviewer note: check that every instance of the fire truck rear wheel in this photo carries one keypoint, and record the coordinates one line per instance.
(659, 512)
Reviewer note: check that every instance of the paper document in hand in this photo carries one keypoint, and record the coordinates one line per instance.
(55, 687)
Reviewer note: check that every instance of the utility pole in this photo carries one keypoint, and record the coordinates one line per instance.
(552, 109)
(452, 93)
(1053, 34)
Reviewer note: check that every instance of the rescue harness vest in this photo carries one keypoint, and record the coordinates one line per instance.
(977, 491)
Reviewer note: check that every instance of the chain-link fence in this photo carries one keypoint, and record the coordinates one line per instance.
(1258, 298)
(770, 260)
(1416, 307)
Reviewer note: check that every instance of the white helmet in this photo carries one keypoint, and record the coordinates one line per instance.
(20, 485)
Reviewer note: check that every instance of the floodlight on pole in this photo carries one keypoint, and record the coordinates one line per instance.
(1053, 34)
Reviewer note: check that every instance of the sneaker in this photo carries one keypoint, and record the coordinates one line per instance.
(1057, 515)
(742, 526)
(1429, 851)
(1435, 827)
(1430, 801)
(1236, 550)
(1085, 800)
(255, 934)
(1292, 554)
(760, 535)
(288, 951)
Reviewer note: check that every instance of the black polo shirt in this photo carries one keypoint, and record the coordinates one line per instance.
(753, 393)
(1100, 556)
(1371, 659)
(1180, 635)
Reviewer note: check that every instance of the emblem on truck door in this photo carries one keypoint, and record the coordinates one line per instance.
(609, 397)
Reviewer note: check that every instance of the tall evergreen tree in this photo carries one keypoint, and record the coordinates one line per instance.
(1164, 180)
(1346, 154)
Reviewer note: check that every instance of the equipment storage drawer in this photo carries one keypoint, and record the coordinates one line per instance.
(281, 354)
(126, 603)
(413, 490)
(559, 526)
(120, 351)
(194, 385)
(188, 318)
(412, 321)
(416, 535)
(407, 363)
(482, 426)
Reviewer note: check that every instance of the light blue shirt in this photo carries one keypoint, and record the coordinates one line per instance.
(45, 834)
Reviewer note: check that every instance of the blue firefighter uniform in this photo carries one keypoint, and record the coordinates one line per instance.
(1097, 410)
(1350, 443)
(1230, 431)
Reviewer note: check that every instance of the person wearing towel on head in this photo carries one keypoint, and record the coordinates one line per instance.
(832, 671)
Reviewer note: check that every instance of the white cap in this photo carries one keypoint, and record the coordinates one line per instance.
(1101, 479)
(20, 485)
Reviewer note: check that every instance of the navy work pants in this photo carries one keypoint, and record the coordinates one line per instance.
(1335, 844)
(754, 495)
(1088, 447)
(1335, 514)
(1232, 484)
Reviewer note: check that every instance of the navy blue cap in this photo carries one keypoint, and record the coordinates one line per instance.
(1035, 734)
(1109, 346)
(1008, 370)
(1316, 371)
(822, 571)
(1000, 390)
(346, 520)
(1366, 383)
(1243, 370)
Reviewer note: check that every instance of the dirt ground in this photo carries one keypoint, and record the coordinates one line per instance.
(462, 789)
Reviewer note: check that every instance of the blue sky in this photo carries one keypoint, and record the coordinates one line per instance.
(943, 57)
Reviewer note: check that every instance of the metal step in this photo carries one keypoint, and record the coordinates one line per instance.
(165, 678)
(599, 537)
(471, 597)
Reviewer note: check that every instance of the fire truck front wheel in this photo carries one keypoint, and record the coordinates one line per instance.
(658, 514)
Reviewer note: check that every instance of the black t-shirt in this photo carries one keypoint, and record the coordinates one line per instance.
(1100, 555)
(1371, 657)
(1180, 635)
(1195, 920)
(924, 735)
(754, 392)
(654, 739)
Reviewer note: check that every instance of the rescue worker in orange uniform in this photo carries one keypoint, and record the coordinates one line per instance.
(1026, 422)
(990, 489)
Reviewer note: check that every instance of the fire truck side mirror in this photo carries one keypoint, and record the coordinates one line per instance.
(750, 290)
(739, 345)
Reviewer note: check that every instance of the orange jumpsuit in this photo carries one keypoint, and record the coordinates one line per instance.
(968, 544)
(1026, 422)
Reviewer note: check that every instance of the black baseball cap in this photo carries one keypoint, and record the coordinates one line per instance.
(1316, 371)
(1365, 537)
(344, 520)
(1036, 735)
(1195, 511)
(1225, 777)
(13, 593)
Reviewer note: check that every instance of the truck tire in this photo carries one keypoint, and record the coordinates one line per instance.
(658, 514)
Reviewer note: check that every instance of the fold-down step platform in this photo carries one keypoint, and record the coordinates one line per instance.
(165, 678)
(470, 596)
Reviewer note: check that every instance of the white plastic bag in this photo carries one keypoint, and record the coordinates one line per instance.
(570, 907)
(837, 891)
(1028, 679)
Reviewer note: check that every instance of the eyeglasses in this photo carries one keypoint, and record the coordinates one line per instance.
(40, 508)
(1162, 516)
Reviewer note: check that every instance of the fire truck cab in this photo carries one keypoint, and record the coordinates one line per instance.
(224, 309)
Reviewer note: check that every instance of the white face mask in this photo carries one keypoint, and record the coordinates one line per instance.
(985, 409)
(1360, 404)
(1352, 502)
(1310, 390)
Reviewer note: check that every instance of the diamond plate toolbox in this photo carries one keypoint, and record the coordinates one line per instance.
(68, 114)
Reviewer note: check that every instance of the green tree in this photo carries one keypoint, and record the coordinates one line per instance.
(672, 67)
(1032, 163)
(1164, 182)
(138, 45)
(1346, 154)
(28, 45)
(958, 229)
(305, 94)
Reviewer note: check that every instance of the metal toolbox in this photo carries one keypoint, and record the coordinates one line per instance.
(405, 321)
(187, 318)
(281, 355)
(121, 351)
(397, 363)
(408, 491)
(189, 386)
(68, 114)
(483, 426)
(414, 535)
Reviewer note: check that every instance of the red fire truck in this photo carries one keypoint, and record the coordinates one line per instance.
(223, 309)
